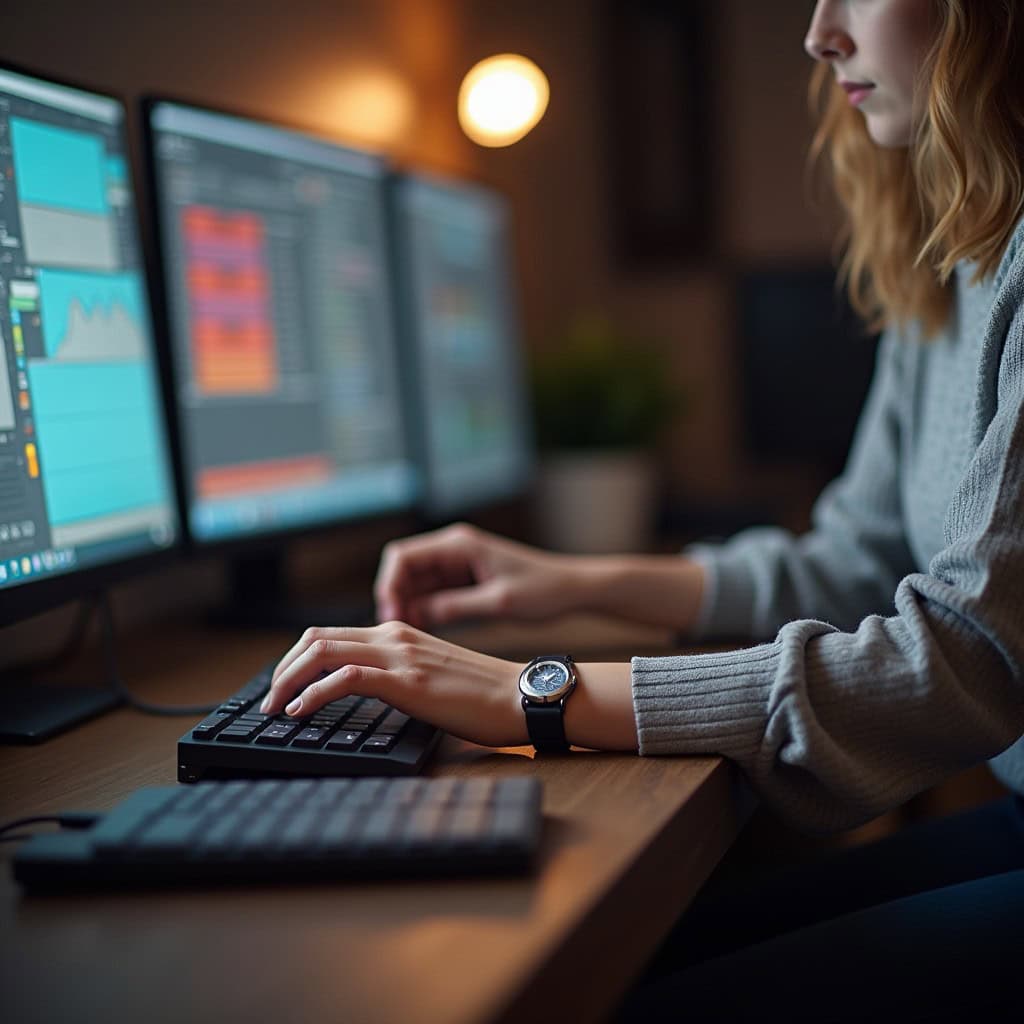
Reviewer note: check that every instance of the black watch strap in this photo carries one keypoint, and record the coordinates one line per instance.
(546, 726)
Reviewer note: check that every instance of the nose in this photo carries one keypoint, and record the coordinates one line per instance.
(827, 38)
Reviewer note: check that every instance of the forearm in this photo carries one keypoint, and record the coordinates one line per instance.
(658, 590)
(599, 713)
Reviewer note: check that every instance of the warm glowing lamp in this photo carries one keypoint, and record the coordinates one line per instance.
(501, 99)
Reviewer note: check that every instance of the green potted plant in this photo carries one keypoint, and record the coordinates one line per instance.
(601, 400)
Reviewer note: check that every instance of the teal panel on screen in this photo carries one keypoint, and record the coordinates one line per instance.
(58, 167)
(117, 169)
(99, 439)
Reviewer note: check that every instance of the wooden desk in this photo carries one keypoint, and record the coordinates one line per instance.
(627, 842)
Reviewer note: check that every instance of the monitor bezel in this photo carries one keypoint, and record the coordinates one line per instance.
(272, 538)
(33, 597)
(437, 512)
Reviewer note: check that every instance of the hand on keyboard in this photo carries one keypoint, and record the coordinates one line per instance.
(471, 695)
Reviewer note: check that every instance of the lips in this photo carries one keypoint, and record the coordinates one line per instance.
(856, 91)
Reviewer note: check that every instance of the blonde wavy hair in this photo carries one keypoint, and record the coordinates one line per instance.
(955, 193)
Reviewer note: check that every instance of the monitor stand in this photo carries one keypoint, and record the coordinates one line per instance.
(259, 597)
(34, 712)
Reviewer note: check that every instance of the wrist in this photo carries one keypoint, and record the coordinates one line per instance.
(660, 590)
(509, 709)
(586, 582)
(600, 714)
(565, 583)
(599, 580)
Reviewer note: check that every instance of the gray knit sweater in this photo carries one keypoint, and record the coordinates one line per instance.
(898, 620)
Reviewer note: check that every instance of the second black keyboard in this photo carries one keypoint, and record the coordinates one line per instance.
(351, 736)
(296, 830)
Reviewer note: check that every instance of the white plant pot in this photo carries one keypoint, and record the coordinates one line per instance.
(596, 502)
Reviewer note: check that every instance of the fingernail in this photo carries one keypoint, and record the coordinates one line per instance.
(265, 704)
(295, 707)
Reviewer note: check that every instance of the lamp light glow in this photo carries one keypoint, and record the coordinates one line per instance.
(501, 99)
(374, 105)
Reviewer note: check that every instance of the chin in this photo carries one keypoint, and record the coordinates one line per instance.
(889, 135)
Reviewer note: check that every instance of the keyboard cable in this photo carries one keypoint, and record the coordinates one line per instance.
(116, 684)
(66, 820)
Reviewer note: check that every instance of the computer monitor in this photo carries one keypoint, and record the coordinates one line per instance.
(459, 314)
(86, 486)
(276, 283)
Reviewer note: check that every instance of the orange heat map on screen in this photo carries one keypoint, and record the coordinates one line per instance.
(268, 475)
(233, 343)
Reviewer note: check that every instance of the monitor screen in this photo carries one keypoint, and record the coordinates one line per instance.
(276, 277)
(453, 241)
(85, 476)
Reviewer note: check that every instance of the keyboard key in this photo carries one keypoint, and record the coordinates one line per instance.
(237, 733)
(327, 793)
(356, 722)
(170, 834)
(310, 737)
(443, 790)
(254, 718)
(424, 823)
(325, 720)
(509, 821)
(219, 839)
(468, 822)
(406, 791)
(379, 825)
(476, 791)
(258, 834)
(277, 734)
(365, 793)
(344, 741)
(514, 790)
(393, 723)
(379, 744)
(339, 833)
(208, 726)
(127, 818)
(301, 833)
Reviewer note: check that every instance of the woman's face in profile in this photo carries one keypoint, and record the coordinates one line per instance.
(876, 49)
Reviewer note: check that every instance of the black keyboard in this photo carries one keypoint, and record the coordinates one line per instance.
(296, 829)
(351, 736)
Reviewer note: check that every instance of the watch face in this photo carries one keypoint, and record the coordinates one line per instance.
(546, 680)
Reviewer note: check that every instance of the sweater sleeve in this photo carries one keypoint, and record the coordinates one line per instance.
(848, 565)
(834, 727)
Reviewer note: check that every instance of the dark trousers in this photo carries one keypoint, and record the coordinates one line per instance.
(924, 925)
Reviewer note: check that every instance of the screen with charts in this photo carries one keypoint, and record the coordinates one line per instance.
(453, 238)
(84, 471)
(275, 258)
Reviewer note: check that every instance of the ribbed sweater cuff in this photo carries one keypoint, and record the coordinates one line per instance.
(704, 703)
(728, 596)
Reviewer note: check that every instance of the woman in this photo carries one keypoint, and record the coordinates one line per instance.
(895, 627)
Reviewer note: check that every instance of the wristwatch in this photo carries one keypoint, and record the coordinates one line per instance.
(545, 684)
